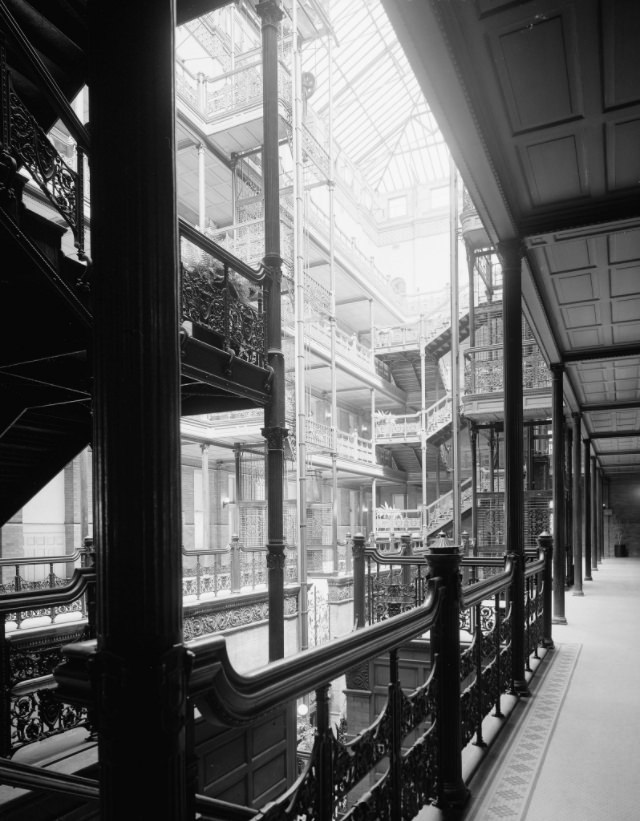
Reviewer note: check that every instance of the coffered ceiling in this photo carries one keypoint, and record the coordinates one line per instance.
(539, 102)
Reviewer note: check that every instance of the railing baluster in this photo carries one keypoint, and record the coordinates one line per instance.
(395, 752)
(498, 648)
(5, 692)
(325, 769)
(479, 742)
(198, 574)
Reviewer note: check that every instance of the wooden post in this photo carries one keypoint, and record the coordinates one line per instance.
(546, 543)
(444, 562)
(137, 505)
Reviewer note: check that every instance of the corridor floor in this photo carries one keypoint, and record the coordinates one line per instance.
(572, 750)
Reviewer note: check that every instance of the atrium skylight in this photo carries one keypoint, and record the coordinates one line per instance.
(380, 118)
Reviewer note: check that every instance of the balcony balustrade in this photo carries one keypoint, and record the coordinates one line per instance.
(424, 596)
(231, 569)
(399, 337)
(32, 150)
(484, 371)
(392, 428)
(223, 297)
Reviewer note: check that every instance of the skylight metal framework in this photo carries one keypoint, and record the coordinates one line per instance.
(381, 120)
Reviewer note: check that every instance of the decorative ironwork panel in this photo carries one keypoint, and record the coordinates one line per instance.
(31, 146)
(224, 302)
(37, 714)
(252, 524)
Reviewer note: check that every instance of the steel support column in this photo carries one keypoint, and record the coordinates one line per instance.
(595, 514)
(559, 552)
(586, 490)
(136, 367)
(510, 254)
(274, 429)
(576, 536)
(473, 441)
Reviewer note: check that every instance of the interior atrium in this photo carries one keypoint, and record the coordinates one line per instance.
(320, 373)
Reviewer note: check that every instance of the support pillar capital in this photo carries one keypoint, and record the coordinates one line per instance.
(510, 252)
(269, 12)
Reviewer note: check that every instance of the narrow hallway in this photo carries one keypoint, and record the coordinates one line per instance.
(573, 753)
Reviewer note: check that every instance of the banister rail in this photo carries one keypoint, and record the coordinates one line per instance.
(63, 558)
(465, 682)
(37, 599)
(221, 691)
(29, 711)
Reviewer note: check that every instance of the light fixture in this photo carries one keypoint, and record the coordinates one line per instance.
(225, 501)
(303, 709)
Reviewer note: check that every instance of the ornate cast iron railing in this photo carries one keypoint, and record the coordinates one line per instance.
(410, 336)
(234, 568)
(395, 581)
(29, 712)
(22, 138)
(440, 513)
(432, 720)
(223, 296)
(408, 427)
(44, 567)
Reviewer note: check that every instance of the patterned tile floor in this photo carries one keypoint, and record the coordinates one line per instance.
(571, 752)
(506, 796)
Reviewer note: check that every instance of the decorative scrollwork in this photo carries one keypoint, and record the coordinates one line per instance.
(38, 715)
(32, 147)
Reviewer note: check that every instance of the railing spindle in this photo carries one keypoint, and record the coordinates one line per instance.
(498, 648)
(479, 742)
(395, 753)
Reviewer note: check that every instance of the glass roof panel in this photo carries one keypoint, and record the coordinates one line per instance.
(380, 118)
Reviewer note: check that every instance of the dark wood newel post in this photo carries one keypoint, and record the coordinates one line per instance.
(274, 429)
(545, 542)
(140, 656)
(358, 581)
(510, 254)
(559, 554)
(444, 563)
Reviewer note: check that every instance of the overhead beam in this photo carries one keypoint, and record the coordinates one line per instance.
(592, 354)
(603, 453)
(610, 407)
(614, 434)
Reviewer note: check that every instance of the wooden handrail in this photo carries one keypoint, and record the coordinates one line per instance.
(65, 558)
(33, 599)
(29, 777)
(224, 695)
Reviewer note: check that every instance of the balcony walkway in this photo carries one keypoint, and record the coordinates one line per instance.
(571, 750)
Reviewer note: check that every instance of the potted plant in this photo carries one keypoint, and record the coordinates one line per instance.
(619, 547)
